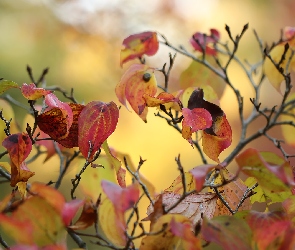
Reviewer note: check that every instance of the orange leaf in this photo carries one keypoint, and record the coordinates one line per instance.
(177, 186)
(137, 81)
(96, 123)
(20, 174)
(18, 146)
(31, 92)
(139, 44)
(214, 144)
(162, 98)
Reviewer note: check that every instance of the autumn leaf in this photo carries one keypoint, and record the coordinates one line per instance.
(31, 92)
(200, 76)
(96, 122)
(184, 232)
(71, 140)
(6, 85)
(177, 185)
(87, 218)
(137, 45)
(202, 42)
(229, 232)
(139, 80)
(70, 209)
(271, 171)
(289, 207)
(194, 120)
(162, 237)
(193, 206)
(217, 137)
(112, 209)
(276, 224)
(288, 131)
(287, 64)
(162, 98)
(19, 147)
(233, 190)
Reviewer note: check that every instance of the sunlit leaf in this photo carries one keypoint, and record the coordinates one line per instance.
(165, 239)
(229, 232)
(200, 173)
(137, 45)
(87, 218)
(137, 81)
(262, 195)
(198, 75)
(109, 221)
(272, 172)
(31, 92)
(201, 41)
(221, 138)
(6, 85)
(271, 72)
(162, 98)
(194, 120)
(193, 206)
(96, 122)
(288, 130)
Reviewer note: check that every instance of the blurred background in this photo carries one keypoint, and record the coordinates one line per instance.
(80, 42)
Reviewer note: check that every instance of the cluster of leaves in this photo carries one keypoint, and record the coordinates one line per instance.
(206, 205)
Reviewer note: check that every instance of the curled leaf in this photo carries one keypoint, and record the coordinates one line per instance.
(137, 45)
(6, 85)
(199, 173)
(96, 122)
(137, 81)
(31, 92)
(162, 98)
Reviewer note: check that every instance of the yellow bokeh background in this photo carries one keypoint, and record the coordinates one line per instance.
(80, 42)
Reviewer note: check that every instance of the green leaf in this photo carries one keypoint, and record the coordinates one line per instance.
(6, 84)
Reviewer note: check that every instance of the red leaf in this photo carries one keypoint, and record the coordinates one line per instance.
(122, 198)
(268, 228)
(200, 174)
(96, 123)
(200, 41)
(18, 146)
(194, 120)
(70, 209)
(31, 92)
(139, 44)
(72, 138)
